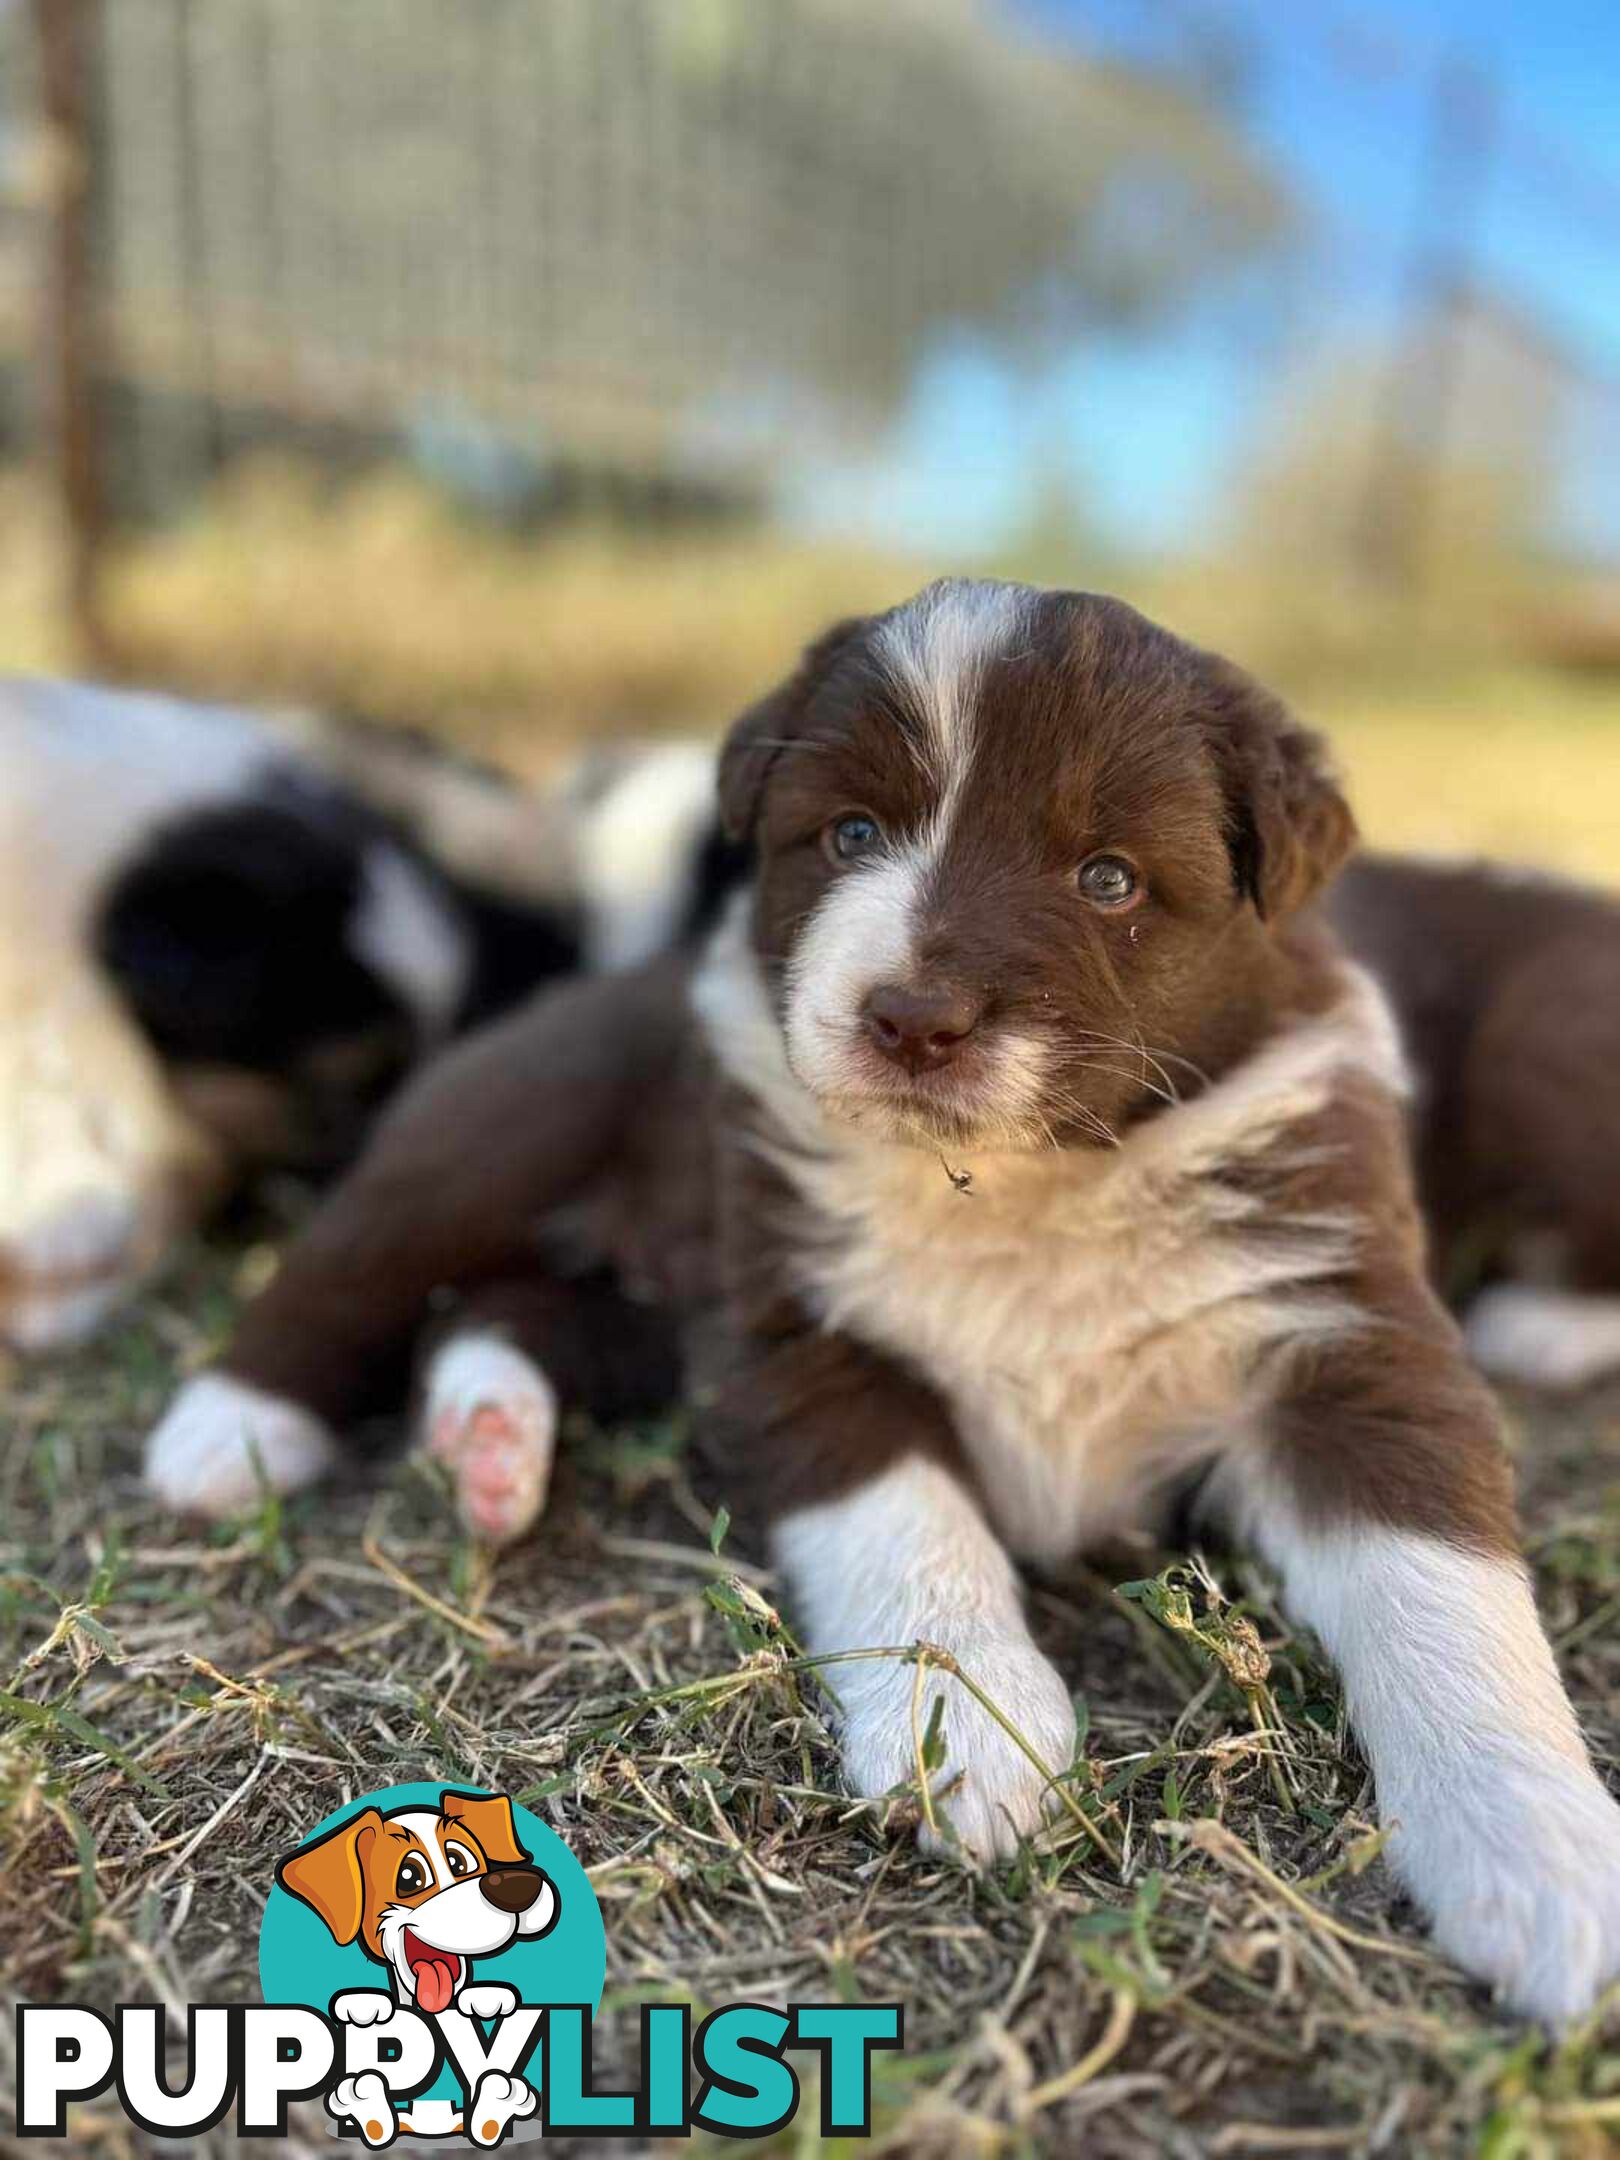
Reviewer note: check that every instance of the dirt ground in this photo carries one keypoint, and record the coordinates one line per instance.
(1208, 1958)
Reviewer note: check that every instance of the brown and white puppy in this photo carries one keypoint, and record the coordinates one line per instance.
(1023, 1153)
(1507, 985)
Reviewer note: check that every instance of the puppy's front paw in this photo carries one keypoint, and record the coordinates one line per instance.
(221, 1444)
(490, 1417)
(1521, 1880)
(498, 2101)
(987, 1789)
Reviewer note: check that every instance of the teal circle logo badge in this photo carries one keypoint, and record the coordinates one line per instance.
(434, 1924)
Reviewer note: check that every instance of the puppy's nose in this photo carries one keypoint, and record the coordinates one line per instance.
(512, 1889)
(920, 1029)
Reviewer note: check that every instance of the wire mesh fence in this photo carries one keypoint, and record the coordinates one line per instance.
(621, 235)
(671, 252)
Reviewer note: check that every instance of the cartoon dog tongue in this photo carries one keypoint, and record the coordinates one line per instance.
(435, 1983)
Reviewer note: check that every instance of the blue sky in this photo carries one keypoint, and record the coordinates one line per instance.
(1337, 97)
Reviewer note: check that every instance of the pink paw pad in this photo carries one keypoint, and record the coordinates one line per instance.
(492, 1420)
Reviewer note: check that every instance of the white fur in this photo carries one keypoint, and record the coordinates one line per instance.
(635, 849)
(403, 931)
(474, 820)
(936, 648)
(862, 934)
(1504, 1834)
(97, 1159)
(501, 1463)
(1092, 1316)
(1543, 1336)
(71, 1269)
(864, 931)
(221, 1443)
(85, 774)
(907, 1557)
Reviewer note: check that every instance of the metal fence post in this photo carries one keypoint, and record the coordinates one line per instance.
(69, 370)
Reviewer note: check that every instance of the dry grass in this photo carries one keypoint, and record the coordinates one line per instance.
(1240, 1980)
(1517, 764)
(178, 1708)
(378, 597)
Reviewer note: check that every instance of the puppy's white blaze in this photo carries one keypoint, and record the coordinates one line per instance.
(862, 933)
(1543, 1336)
(404, 930)
(1505, 1836)
(936, 648)
(907, 1557)
(221, 1443)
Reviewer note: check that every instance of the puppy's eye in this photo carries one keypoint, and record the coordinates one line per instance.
(460, 1860)
(412, 1876)
(851, 836)
(1108, 881)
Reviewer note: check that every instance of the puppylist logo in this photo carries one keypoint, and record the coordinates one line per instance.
(431, 1960)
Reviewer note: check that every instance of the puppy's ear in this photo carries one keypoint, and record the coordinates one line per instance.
(491, 1822)
(330, 1874)
(1288, 825)
(766, 729)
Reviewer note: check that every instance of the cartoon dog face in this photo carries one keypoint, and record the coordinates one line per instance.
(425, 1890)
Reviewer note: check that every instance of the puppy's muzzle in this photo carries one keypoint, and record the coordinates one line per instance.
(512, 1890)
(920, 1029)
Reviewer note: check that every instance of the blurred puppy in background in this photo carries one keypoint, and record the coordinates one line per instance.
(223, 943)
(1507, 986)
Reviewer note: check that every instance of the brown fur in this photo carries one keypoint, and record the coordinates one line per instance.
(1390, 1423)
(1508, 990)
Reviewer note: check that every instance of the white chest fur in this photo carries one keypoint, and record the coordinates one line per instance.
(1097, 1320)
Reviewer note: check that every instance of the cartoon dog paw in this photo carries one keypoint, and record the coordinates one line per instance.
(363, 2006)
(364, 2100)
(487, 1999)
(498, 2101)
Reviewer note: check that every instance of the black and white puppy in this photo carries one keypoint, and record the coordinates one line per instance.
(224, 942)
